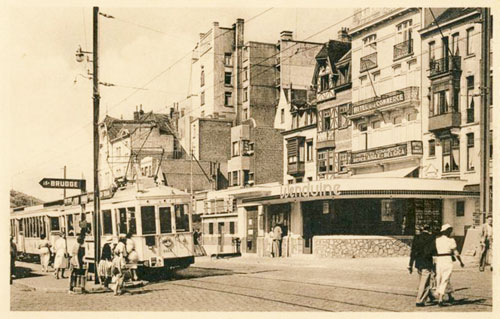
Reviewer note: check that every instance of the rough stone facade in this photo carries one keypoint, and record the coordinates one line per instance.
(366, 246)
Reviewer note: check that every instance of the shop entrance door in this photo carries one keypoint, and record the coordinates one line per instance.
(312, 217)
(251, 231)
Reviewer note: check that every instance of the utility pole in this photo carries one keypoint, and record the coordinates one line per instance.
(96, 98)
(484, 122)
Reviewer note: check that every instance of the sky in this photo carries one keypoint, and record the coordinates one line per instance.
(50, 98)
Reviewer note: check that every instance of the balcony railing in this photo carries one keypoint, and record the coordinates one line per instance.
(470, 115)
(444, 65)
(368, 62)
(444, 121)
(403, 49)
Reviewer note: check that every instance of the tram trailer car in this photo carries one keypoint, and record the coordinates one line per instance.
(159, 219)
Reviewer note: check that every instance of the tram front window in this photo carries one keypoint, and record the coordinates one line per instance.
(165, 220)
(181, 219)
(148, 220)
(54, 223)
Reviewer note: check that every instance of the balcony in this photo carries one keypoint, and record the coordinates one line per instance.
(368, 62)
(407, 97)
(325, 139)
(388, 152)
(296, 169)
(403, 49)
(444, 66)
(444, 121)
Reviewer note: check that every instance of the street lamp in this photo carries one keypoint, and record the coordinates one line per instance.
(80, 54)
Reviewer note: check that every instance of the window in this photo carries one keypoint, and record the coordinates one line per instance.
(326, 120)
(490, 141)
(228, 59)
(245, 94)
(343, 161)
(227, 78)
(460, 208)
(202, 98)
(210, 228)
(107, 224)
(362, 127)
(322, 161)
(454, 44)
(228, 99)
(470, 99)
(451, 154)
(376, 124)
(370, 44)
(432, 148)
(440, 103)
(375, 76)
(404, 31)
(470, 152)
(342, 112)
(301, 152)
(236, 148)
(122, 220)
(148, 220)
(202, 77)
(54, 223)
(469, 42)
(326, 161)
(309, 156)
(181, 218)
(282, 118)
(432, 52)
(245, 147)
(245, 73)
(132, 225)
(331, 161)
(231, 228)
(69, 226)
(235, 178)
(324, 82)
(165, 220)
(246, 177)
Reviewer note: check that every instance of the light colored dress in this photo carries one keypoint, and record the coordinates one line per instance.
(44, 250)
(60, 261)
(444, 264)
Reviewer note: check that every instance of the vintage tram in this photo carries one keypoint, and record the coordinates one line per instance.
(159, 219)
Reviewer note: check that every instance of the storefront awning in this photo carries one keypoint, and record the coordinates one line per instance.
(403, 172)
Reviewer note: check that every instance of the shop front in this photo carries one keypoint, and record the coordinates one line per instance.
(361, 217)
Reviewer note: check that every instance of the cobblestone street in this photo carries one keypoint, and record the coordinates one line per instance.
(252, 284)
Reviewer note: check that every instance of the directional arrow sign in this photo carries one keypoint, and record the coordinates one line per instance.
(63, 183)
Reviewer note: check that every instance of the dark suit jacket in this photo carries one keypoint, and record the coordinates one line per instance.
(422, 250)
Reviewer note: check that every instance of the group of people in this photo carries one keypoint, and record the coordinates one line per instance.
(433, 257)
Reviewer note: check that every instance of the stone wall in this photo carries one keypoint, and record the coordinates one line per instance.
(361, 246)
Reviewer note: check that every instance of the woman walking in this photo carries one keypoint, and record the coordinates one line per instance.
(44, 249)
(60, 260)
(446, 253)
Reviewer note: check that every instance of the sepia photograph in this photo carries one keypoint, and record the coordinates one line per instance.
(167, 157)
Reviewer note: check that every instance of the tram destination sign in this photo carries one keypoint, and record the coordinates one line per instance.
(63, 183)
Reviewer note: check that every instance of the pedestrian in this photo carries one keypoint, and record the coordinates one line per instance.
(422, 250)
(446, 254)
(106, 263)
(132, 256)
(44, 250)
(198, 247)
(486, 243)
(119, 271)
(76, 265)
(60, 260)
(270, 245)
(13, 254)
(277, 237)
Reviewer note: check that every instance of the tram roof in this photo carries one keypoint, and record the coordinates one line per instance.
(131, 193)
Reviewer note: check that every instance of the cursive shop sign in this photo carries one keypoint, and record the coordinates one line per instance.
(387, 152)
(309, 190)
(400, 97)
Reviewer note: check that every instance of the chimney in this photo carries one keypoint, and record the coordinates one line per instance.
(141, 112)
(216, 24)
(343, 35)
(240, 23)
(136, 113)
(286, 35)
(171, 112)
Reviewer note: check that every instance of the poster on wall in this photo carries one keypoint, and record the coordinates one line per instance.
(387, 212)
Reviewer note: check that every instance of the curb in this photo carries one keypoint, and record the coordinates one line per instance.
(65, 290)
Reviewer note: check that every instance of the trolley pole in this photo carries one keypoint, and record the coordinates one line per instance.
(96, 98)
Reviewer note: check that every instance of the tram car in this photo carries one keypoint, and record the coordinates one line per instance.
(159, 219)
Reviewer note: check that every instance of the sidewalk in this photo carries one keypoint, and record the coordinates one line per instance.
(29, 275)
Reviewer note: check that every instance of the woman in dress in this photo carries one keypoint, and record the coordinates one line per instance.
(133, 258)
(446, 253)
(76, 265)
(105, 264)
(119, 268)
(60, 260)
(44, 249)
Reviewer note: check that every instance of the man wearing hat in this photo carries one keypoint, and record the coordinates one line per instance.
(486, 243)
(422, 250)
(446, 254)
